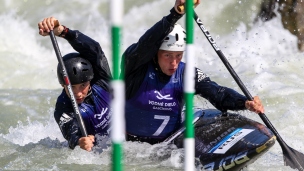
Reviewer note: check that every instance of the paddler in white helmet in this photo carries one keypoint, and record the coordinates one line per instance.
(154, 75)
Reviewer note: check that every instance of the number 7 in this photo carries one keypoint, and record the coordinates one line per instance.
(163, 125)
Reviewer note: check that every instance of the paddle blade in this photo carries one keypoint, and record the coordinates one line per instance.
(294, 159)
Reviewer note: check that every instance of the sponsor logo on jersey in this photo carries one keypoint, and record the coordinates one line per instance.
(161, 105)
(99, 115)
(105, 122)
(160, 96)
(151, 75)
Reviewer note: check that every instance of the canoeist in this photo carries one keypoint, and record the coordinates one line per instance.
(89, 74)
(154, 83)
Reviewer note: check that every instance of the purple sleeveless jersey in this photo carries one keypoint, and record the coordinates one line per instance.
(97, 117)
(155, 110)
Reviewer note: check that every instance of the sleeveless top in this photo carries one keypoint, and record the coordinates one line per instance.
(95, 117)
(155, 110)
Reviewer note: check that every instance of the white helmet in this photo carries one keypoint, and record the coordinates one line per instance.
(176, 40)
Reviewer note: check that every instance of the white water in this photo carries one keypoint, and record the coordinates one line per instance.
(264, 55)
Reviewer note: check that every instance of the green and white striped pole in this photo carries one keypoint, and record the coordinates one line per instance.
(117, 83)
(189, 90)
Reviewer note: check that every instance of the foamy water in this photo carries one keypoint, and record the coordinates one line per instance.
(264, 55)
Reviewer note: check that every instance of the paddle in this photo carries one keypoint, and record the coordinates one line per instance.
(68, 84)
(292, 158)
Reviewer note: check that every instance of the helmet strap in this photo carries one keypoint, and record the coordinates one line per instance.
(162, 76)
(89, 92)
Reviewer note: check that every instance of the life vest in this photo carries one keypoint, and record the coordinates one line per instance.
(155, 110)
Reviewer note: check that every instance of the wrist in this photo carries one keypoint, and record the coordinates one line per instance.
(64, 31)
(173, 17)
(175, 13)
(179, 9)
(57, 30)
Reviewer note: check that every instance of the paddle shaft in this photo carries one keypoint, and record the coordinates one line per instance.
(235, 76)
(292, 157)
(69, 86)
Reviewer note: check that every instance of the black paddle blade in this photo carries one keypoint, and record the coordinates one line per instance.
(294, 159)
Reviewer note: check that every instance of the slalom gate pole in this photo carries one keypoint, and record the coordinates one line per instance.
(117, 83)
(189, 89)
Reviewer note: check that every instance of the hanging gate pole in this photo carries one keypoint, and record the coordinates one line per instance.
(189, 90)
(117, 83)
